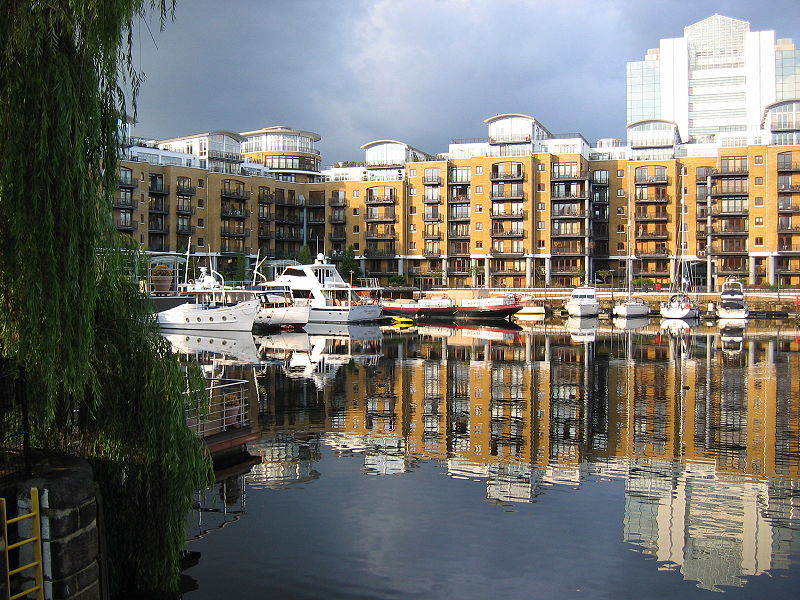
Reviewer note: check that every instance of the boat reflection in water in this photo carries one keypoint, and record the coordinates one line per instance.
(653, 438)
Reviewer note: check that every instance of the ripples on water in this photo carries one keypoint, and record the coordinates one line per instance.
(483, 463)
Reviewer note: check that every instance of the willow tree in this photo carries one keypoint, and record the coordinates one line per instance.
(103, 383)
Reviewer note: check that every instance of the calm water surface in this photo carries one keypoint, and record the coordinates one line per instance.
(559, 460)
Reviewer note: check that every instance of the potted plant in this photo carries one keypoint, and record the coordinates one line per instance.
(161, 278)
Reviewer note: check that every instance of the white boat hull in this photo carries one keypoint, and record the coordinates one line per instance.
(733, 313)
(345, 314)
(679, 312)
(239, 317)
(582, 309)
(629, 309)
(283, 315)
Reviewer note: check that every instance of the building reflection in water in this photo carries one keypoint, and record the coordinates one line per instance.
(703, 428)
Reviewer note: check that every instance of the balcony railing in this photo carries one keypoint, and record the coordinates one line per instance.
(184, 229)
(646, 216)
(717, 192)
(120, 203)
(437, 218)
(337, 202)
(789, 248)
(430, 235)
(455, 233)
(567, 250)
(156, 227)
(436, 200)
(508, 195)
(286, 201)
(569, 215)
(790, 208)
(648, 252)
(652, 235)
(784, 167)
(128, 182)
(570, 175)
(579, 233)
(234, 232)
(379, 252)
(458, 198)
(791, 188)
(788, 228)
(501, 233)
(126, 224)
(722, 250)
(372, 218)
(185, 190)
(651, 199)
(380, 235)
(719, 230)
(266, 216)
(381, 199)
(511, 138)
(265, 234)
(650, 179)
(582, 195)
(161, 207)
(729, 171)
(337, 236)
(510, 251)
(235, 193)
(265, 198)
(432, 180)
(338, 219)
(284, 218)
(235, 213)
(507, 175)
(184, 209)
(158, 188)
(431, 253)
(515, 214)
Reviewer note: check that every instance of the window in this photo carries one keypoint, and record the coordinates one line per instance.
(201, 183)
(760, 221)
(478, 170)
(620, 210)
(412, 227)
(355, 228)
(201, 203)
(478, 226)
(539, 224)
(540, 206)
(759, 241)
(356, 193)
(621, 246)
(759, 202)
(539, 187)
(201, 242)
(412, 191)
(478, 189)
(355, 212)
(479, 244)
(540, 243)
(412, 210)
(201, 223)
(758, 160)
(759, 181)
(412, 245)
(412, 172)
(620, 228)
(703, 172)
(356, 246)
(620, 192)
(540, 167)
(478, 208)
(620, 173)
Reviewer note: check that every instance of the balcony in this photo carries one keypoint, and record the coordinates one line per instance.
(282, 236)
(433, 218)
(652, 252)
(239, 232)
(126, 224)
(234, 213)
(651, 199)
(380, 235)
(569, 215)
(265, 234)
(561, 234)
(581, 195)
(430, 235)
(158, 227)
(646, 216)
(730, 171)
(184, 229)
(787, 248)
(158, 207)
(337, 236)
(128, 183)
(783, 228)
(458, 198)
(337, 219)
(337, 202)
(286, 201)
(650, 180)
(720, 230)
(511, 138)
(516, 214)
(720, 193)
(789, 188)
(730, 211)
(454, 234)
(313, 219)
(380, 199)
(789, 208)
(432, 180)
(431, 253)
(501, 233)
(568, 176)
(292, 219)
(184, 209)
(508, 195)
(231, 247)
(652, 235)
(427, 200)
(235, 193)
(516, 174)
(785, 167)
(727, 250)
(463, 250)
(158, 189)
(512, 252)
(120, 203)
(562, 250)
(379, 253)
(265, 215)
(185, 190)
(381, 218)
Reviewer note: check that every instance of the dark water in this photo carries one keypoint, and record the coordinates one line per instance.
(533, 463)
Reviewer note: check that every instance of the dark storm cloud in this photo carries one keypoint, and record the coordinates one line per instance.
(420, 71)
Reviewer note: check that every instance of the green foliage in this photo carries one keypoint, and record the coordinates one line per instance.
(103, 383)
(304, 256)
(397, 281)
(348, 264)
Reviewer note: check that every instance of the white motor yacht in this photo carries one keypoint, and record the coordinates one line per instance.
(583, 302)
(331, 298)
(732, 304)
(210, 316)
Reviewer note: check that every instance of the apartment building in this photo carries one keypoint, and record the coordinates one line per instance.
(523, 206)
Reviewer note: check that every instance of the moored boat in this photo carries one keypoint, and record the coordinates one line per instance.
(495, 307)
(583, 302)
(732, 304)
(532, 309)
(210, 316)
(424, 308)
(331, 298)
(679, 306)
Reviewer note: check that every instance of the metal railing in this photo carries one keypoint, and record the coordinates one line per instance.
(35, 539)
(226, 408)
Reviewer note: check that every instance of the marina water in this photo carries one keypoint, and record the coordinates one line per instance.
(506, 462)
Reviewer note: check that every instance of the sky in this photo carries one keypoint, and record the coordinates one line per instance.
(420, 71)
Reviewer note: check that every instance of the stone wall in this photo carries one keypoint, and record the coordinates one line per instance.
(69, 526)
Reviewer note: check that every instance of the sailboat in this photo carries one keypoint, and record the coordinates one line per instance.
(680, 305)
(631, 307)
